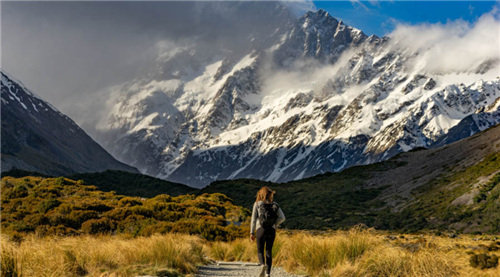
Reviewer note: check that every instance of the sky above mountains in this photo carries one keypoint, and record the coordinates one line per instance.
(69, 51)
(382, 17)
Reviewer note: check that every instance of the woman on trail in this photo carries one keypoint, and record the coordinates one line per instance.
(266, 216)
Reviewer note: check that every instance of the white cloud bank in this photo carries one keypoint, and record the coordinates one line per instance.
(456, 46)
(299, 7)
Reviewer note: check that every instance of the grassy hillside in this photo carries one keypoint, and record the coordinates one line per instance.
(61, 206)
(332, 200)
(121, 182)
(450, 188)
(467, 200)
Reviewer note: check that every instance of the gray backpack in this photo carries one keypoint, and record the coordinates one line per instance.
(268, 214)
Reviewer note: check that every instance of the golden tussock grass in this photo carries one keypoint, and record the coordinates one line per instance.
(100, 256)
(357, 252)
(362, 252)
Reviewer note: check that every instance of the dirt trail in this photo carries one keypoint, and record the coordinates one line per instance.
(239, 269)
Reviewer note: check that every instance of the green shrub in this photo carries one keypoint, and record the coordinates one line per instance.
(133, 224)
(483, 261)
(494, 246)
(77, 218)
(18, 191)
(48, 205)
(36, 219)
(161, 198)
(99, 226)
(21, 226)
(129, 201)
(97, 206)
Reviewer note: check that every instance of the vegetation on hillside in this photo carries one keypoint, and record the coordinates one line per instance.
(121, 182)
(435, 208)
(341, 200)
(18, 173)
(330, 200)
(61, 206)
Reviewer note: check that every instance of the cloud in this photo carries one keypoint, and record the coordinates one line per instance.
(456, 46)
(471, 9)
(306, 75)
(69, 52)
(357, 3)
(374, 2)
(299, 7)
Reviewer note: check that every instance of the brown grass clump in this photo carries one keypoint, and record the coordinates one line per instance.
(318, 254)
(93, 256)
(388, 261)
(238, 250)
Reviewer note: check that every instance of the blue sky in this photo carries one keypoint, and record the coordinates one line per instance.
(381, 17)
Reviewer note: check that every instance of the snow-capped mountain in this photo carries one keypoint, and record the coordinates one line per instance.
(37, 137)
(316, 95)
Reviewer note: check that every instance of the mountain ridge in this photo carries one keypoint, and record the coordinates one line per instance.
(37, 137)
(314, 87)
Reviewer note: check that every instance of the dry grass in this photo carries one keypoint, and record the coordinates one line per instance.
(97, 256)
(359, 252)
(318, 254)
(342, 253)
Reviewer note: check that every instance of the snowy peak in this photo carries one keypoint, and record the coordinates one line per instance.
(318, 35)
(319, 20)
(322, 97)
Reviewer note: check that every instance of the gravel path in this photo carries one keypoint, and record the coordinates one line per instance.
(247, 270)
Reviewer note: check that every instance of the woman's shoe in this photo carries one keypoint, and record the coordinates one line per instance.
(263, 269)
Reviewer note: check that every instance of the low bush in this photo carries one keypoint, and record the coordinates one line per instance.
(483, 260)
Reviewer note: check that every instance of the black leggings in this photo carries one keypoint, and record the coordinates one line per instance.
(266, 237)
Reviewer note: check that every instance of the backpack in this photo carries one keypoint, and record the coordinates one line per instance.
(268, 214)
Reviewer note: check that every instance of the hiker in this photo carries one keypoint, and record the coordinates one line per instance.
(266, 217)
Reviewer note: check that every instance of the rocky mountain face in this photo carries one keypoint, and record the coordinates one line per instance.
(313, 96)
(37, 137)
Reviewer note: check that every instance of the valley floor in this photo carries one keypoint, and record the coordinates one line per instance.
(357, 252)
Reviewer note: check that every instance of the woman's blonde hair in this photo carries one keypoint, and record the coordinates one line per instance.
(265, 194)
